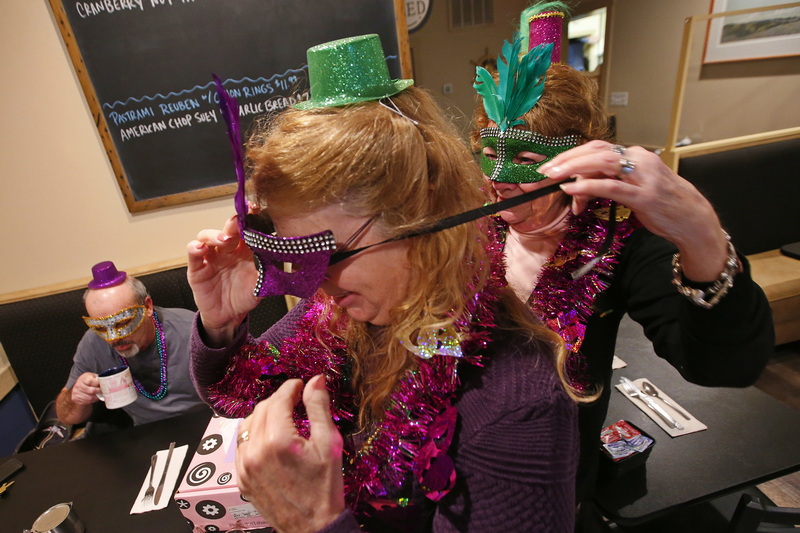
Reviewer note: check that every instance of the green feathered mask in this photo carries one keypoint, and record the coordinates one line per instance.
(520, 83)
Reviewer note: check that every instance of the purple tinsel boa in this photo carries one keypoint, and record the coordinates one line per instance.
(419, 421)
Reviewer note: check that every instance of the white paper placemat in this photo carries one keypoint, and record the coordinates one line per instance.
(692, 425)
(175, 464)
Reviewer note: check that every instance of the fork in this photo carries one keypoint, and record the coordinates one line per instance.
(632, 391)
(148, 494)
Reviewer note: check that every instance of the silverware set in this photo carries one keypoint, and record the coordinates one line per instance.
(649, 397)
(648, 388)
(153, 493)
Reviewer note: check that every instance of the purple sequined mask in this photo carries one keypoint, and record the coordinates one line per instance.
(309, 255)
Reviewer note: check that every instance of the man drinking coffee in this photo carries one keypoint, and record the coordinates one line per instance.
(125, 329)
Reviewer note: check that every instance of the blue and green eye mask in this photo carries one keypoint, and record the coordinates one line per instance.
(507, 144)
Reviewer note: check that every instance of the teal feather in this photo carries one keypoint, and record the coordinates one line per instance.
(492, 103)
(533, 70)
(507, 69)
(520, 83)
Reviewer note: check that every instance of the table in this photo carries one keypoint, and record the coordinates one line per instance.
(101, 475)
(751, 438)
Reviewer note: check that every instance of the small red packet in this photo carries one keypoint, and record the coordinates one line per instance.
(621, 440)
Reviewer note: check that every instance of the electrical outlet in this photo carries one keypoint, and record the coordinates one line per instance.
(447, 88)
(619, 98)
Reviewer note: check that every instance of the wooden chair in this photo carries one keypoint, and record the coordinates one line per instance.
(752, 516)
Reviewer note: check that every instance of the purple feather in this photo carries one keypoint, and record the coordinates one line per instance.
(229, 109)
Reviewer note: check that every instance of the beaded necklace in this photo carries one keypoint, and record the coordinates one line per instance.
(161, 392)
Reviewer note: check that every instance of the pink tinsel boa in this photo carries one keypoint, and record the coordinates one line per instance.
(419, 420)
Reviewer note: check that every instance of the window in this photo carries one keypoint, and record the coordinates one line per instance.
(466, 13)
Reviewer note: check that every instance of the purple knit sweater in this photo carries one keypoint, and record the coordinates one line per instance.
(515, 448)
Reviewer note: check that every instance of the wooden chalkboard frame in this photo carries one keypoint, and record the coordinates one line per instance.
(187, 193)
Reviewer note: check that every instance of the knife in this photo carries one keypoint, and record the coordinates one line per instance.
(160, 488)
(649, 402)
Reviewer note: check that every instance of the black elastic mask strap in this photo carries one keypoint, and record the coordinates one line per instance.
(461, 218)
(612, 227)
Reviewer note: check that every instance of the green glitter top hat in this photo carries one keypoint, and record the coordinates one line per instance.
(349, 71)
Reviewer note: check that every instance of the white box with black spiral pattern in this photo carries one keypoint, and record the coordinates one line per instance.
(208, 495)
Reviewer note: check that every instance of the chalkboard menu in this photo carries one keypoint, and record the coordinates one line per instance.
(146, 69)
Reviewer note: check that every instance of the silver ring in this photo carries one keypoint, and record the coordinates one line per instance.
(618, 149)
(245, 436)
(627, 166)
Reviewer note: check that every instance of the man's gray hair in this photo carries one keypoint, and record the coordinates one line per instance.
(137, 288)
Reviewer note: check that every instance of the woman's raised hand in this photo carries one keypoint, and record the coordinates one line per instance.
(295, 483)
(222, 276)
(664, 202)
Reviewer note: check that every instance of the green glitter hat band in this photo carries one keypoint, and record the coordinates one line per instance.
(349, 71)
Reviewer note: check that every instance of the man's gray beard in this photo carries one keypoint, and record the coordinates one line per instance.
(129, 353)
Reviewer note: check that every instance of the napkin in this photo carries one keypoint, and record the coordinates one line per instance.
(689, 426)
(175, 464)
(618, 363)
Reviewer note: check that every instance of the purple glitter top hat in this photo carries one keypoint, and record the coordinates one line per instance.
(105, 274)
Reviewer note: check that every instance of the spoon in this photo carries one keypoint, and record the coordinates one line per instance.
(651, 390)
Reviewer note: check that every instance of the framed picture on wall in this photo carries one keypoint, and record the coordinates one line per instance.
(758, 29)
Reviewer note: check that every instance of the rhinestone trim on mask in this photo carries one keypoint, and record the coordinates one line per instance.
(532, 136)
(292, 245)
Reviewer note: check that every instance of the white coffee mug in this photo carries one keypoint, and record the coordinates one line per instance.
(116, 386)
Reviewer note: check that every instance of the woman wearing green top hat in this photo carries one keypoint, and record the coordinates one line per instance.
(628, 236)
(433, 399)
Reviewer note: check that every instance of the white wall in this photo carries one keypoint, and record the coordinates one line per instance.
(721, 101)
(61, 210)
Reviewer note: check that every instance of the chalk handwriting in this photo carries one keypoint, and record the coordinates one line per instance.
(277, 104)
(98, 7)
(182, 105)
(180, 122)
(131, 115)
(289, 77)
(206, 116)
(158, 3)
(197, 107)
(88, 9)
(141, 130)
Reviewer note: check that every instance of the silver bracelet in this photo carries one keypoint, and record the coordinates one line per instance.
(708, 298)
